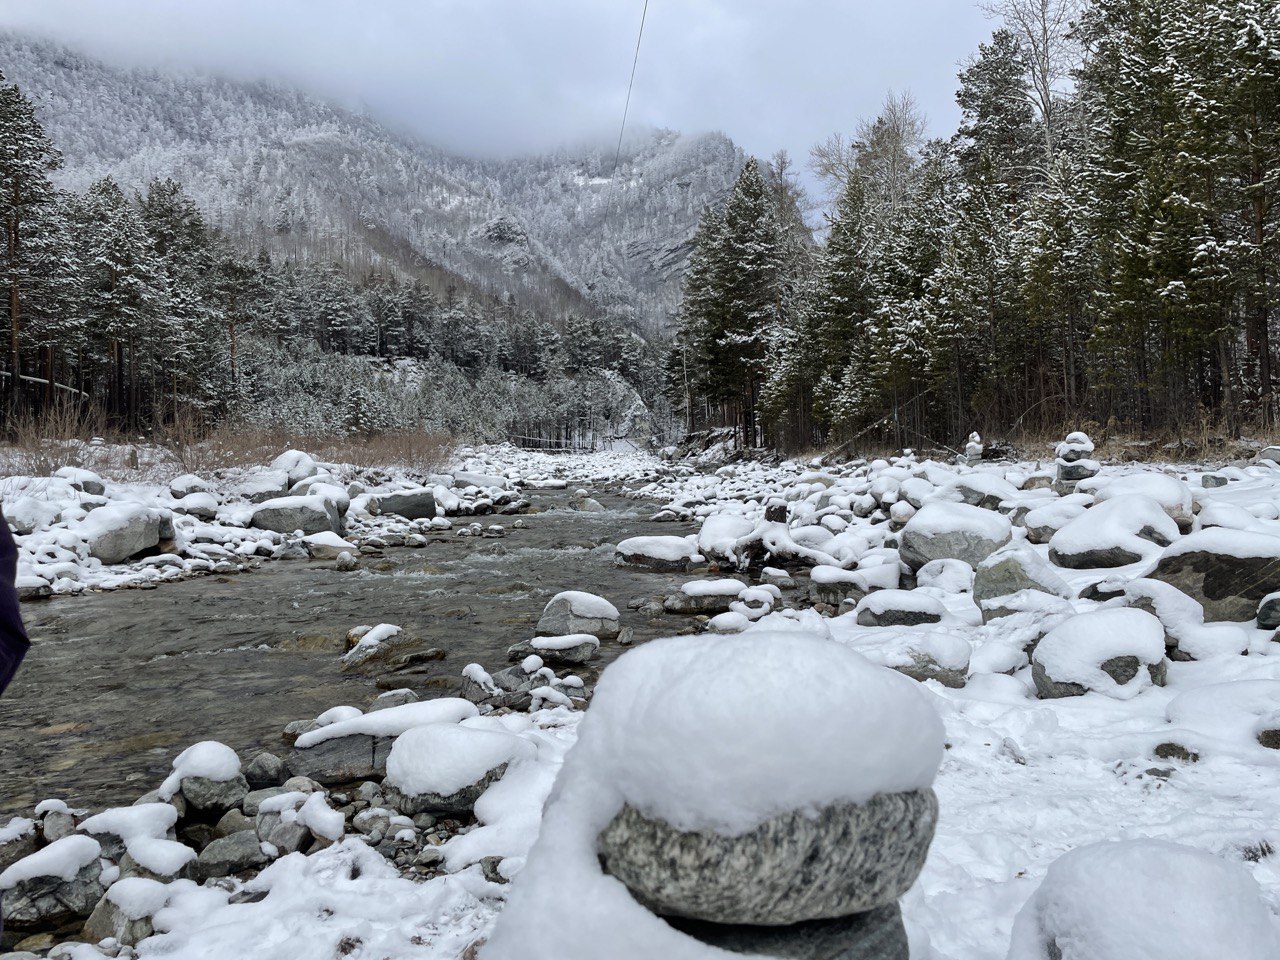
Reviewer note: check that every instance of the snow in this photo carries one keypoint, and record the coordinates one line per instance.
(934, 519)
(1074, 651)
(370, 640)
(445, 758)
(16, 829)
(62, 859)
(394, 720)
(209, 759)
(566, 642)
(1117, 522)
(158, 855)
(671, 549)
(712, 588)
(128, 823)
(587, 605)
(138, 897)
(1232, 543)
(317, 816)
(1145, 900)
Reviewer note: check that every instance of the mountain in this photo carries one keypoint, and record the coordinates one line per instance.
(278, 169)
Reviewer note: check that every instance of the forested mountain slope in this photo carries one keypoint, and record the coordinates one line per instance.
(275, 168)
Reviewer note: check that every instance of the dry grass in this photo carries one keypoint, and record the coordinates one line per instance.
(69, 435)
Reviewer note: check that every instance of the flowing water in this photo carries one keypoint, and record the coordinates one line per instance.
(117, 683)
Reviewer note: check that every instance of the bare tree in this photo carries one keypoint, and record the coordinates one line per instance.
(1044, 29)
(882, 150)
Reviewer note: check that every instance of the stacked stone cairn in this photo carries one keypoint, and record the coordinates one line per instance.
(1074, 463)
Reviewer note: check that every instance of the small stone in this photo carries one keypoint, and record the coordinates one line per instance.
(265, 770)
(237, 853)
(214, 795)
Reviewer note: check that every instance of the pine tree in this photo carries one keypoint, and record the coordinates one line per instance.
(27, 156)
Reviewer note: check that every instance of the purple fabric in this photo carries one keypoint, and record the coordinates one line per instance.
(13, 637)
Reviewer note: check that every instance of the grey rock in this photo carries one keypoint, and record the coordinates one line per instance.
(924, 668)
(1269, 453)
(1211, 480)
(265, 770)
(1120, 669)
(1013, 569)
(874, 935)
(44, 903)
(16, 849)
(55, 825)
(264, 486)
(891, 617)
(233, 821)
(1269, 612)
(568, 656)
(462, 801)
(917, 548)
(139, 532)
(1077, 471)
(559, 619)
(849, 859)
(214, 796)
(1098, 557)
(1227, 586)
(235, 854)
(393, 698)
(681, 603)
(339, 760)
(108, 920)
(253, 799)
(308, 514)
(288, 837)
(411, 504)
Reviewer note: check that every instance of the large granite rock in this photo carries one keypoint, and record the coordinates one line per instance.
(568, 651)
(849, 859)
(576, 612)
(954, 531)
(1119, 669)
(1013, 569)
(459, 802)
(1229, 571)
(340, 760)
(875, 935)
(117, 532)
(310, 514)
(410, 504)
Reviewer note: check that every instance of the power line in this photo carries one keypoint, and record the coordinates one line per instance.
(631, 83)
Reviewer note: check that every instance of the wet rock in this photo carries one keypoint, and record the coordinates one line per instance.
(571, 650)
(850, 858)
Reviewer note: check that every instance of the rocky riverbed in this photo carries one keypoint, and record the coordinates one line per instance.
(118, 682)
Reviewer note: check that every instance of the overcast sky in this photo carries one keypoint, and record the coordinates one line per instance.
(508, 76)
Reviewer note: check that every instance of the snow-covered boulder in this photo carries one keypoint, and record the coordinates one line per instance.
(187, 484)
(444, 768)
(53, 886)
(1116, 651)
(568, 650)
(953, 531)
(720, 532)
(704, 596)
(83, 480)
(124, 913)
(117, 531)
(295, 465)
(1014, 568)
(1144, 900)
(466, 478)
(1186, 634)
(573, 611)
(263, 486)
(946, 575)
(824, 808)
(419, 504)
(661, 554)
(327, 545)
(1115, 533)
(202, 506)
(1172, 494)
(1228, 571)
(1044, 521)
(898, 608)
(310, 514)
(28, 514)
(208, 774)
